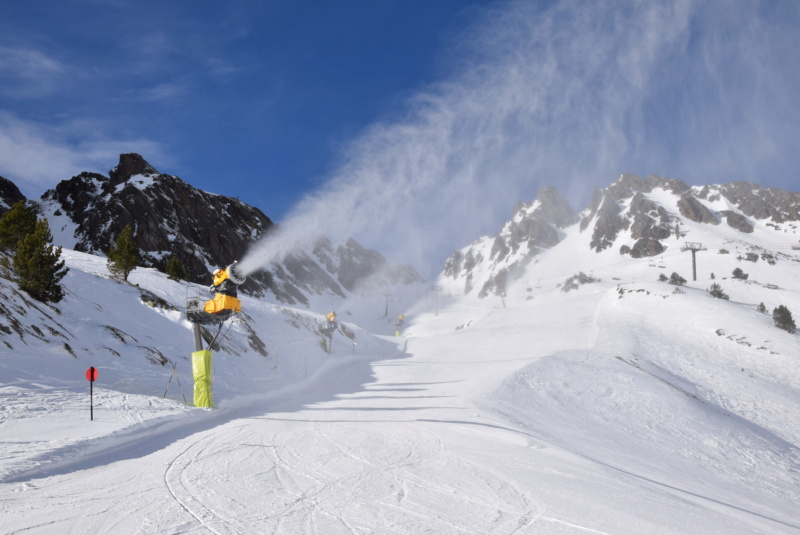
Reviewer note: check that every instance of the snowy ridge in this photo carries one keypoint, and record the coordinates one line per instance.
(634, 217)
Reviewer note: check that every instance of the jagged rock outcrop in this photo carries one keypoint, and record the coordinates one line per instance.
(168, 216)
(693, 209)
(9, 195)
(645, 247)
(623, 206)
(493, 263)
(737, 221)
(755, 201)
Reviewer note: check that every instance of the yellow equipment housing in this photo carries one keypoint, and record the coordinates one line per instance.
(222, 302)
(226, 296)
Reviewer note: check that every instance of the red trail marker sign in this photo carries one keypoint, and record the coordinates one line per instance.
(91, 376)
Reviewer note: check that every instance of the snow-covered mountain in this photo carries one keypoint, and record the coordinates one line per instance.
(638, 218)
(203, 230)
(590, 396)
(168, 216)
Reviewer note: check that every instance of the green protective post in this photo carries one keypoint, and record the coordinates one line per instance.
(201, 371)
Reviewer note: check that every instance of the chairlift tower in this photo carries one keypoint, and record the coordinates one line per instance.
(386, 310)
(693, 247)
(437, 289)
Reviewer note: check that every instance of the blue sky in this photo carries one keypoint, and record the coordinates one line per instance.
(245, 98)
(414, 126)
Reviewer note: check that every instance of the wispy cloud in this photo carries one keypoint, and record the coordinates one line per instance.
(37, 156)
(27, 63)
(28, 73)
(164, 92)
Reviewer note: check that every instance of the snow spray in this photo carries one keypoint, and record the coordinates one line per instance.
(568, 93)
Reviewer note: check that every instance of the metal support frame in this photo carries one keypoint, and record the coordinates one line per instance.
(693, 247)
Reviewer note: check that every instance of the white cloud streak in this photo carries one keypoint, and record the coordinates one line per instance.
(28, 73)
(37, 156)
(27, 63)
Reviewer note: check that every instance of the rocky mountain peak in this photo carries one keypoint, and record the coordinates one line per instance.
(130, 164)
(170, 218)
(554, 209)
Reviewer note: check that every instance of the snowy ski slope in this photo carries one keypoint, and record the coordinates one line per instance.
(620, 407)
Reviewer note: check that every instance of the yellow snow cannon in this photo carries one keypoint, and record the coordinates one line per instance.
(226, 298)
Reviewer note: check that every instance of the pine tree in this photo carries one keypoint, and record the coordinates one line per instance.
(124, 256)
(37, 264)
(783, 319)
(176, 270)
(716, 291)
(15, 224)
(676, 279)
(739, 274)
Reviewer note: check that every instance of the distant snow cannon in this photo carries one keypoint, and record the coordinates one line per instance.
(399, 323)
(327, 328)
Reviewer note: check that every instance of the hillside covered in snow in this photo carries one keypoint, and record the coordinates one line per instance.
(586, 394)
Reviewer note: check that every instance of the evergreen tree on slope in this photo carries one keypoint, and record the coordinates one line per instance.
(124, 256)
(37, 265)
(18, 222)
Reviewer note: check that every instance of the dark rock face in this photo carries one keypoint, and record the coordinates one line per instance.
(608, 225)
(737, 221)
(623, 209)
(205, 231)
(651, 224)
(130, 164)
(9, 195)
(646, 247)
(168, 216)
(692, 209)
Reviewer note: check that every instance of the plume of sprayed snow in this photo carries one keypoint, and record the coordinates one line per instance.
(571, 96)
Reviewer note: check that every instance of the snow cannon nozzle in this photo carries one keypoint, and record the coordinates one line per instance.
(234, 275)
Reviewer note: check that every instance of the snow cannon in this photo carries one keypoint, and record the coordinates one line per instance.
(226, 298)
(235, 274)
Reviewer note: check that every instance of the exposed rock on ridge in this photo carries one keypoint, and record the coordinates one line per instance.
(534, 227)
(168, 216)
(9, 195)
(627, 215)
